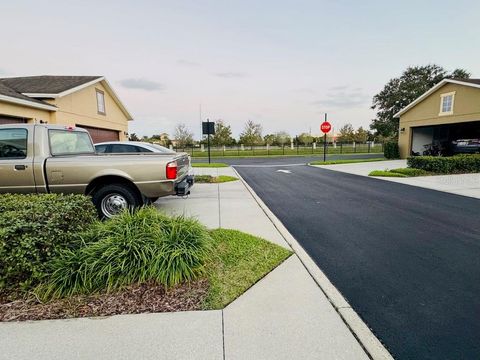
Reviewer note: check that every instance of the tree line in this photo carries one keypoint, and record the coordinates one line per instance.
(252, 135)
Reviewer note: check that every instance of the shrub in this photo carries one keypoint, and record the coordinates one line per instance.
(385, 173)
(411, 172)
(132, 247)
(390, 150)
(465, 163)
(34, 229)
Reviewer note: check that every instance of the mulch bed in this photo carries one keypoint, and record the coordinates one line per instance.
(135, 299)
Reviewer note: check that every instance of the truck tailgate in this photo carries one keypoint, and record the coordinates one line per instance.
(183, 165)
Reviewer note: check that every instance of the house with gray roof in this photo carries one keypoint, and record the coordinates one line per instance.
(83, 101)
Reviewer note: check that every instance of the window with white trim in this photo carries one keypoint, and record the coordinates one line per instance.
(100, 102)
(446, 103)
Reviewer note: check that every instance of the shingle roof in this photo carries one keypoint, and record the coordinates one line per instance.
(7, 91)
(46, 84)
(473, 81)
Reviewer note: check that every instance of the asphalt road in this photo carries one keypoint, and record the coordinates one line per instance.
(285, 160)
(407, 259)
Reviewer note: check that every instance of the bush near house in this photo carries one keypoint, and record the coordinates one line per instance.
(35, 229)
(390, 150)
(465, 163)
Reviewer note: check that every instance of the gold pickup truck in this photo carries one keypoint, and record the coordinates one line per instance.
(62, 159)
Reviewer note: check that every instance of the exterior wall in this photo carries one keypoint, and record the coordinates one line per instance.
(466, 108)
(33, 115)
(81, 108)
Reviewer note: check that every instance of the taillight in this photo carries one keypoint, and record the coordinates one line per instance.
(171, 170)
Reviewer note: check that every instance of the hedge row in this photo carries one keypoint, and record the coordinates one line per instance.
(34, 229)
(391, 150)
(466, 163)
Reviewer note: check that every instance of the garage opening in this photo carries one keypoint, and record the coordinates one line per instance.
(446, 139)
(5, 119)
(100, 135)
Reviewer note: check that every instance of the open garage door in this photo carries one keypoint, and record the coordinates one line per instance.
(4, 120)
(100, 135)
(446, 139)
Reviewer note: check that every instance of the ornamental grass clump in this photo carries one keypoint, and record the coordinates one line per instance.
(133, 247)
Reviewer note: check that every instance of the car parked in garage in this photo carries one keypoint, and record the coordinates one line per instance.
(464, 146)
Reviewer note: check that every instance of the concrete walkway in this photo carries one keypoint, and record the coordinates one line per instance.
(284, 316)
(460, 184)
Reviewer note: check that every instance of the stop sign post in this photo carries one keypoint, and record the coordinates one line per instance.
(325, 127)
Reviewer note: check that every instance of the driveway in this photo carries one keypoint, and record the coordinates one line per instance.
(461, 184)
(406, 258)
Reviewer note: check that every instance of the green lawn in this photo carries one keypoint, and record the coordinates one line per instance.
(240, 261)
(345, 161)
(211, 165)
(209, 179)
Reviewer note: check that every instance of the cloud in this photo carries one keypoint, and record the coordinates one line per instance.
(340, 97)
(305, 90)
(230, 75)
(339, 88)
(184, 62)
(142, 84)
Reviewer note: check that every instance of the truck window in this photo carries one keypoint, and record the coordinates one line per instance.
(13, 143)
(67, 142)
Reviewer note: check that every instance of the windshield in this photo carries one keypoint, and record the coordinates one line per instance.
(66, 142)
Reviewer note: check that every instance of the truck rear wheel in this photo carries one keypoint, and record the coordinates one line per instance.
(112, 199)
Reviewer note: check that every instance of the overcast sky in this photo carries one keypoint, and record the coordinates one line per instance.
(280, 63)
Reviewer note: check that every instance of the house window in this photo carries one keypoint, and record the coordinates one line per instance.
(100, 102)
(446, 103)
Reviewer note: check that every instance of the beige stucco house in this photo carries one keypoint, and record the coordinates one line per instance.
(84, 101)
(447, 112)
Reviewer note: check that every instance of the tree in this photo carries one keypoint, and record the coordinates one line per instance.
(282, 138)
(305, 138)
(269, 139)
(401, 91)
(183, 136)
(361, 135)
(251, 134)
(223, 134)
(133, 137)
(346, 133)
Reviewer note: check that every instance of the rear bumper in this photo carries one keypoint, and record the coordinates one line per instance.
(182, 188)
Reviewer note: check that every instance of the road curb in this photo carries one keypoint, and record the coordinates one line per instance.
(370, 343)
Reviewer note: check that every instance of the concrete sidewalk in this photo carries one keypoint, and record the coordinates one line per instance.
(460, 184)
(286, 315)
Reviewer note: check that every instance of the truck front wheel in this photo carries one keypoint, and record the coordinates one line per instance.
(112, 199)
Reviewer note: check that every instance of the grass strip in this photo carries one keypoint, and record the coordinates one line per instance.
(385, 173)
(345, 161)
(240, 261)
(209, 179)
(411, 172)
(211, 165)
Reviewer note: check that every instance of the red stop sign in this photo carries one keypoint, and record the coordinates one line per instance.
(325, 127)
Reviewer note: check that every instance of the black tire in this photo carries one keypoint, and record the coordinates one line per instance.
(113, 198)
